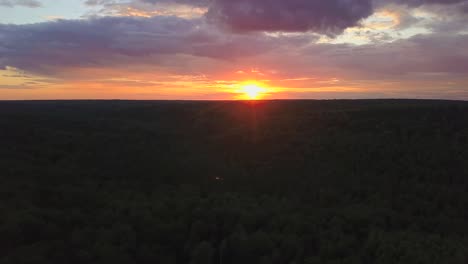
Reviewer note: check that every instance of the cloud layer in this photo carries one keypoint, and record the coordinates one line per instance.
(27, 3)
(329, 17)
(49, 46)
(275, 41)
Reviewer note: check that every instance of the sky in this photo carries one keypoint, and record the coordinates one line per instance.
(226, 49)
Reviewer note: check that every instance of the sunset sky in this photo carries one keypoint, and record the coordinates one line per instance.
(214, 49)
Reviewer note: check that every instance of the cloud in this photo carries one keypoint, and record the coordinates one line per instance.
(26, 3)
(50, 46)
(82, 43)
(421, 54)
(145, 49)
(326, 17)
(202, 3)
(183, 2)
(330, 17)
(447, 19)
(145, 8)
(190, 45)
(415, 3)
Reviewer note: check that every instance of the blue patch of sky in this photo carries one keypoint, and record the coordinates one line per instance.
(50, 9)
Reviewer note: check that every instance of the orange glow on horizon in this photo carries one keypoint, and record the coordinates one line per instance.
(116, 83)
(253, 91)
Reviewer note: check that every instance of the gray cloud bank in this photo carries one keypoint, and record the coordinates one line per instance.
(26, 3)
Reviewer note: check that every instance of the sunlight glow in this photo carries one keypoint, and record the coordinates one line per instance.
(253, 91)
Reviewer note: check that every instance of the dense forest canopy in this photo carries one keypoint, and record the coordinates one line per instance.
(277, 182)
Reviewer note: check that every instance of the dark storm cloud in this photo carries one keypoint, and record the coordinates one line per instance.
(27, 3)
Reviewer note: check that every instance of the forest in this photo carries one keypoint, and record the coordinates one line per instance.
(229, 182)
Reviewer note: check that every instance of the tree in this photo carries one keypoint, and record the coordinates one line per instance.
(202, 254)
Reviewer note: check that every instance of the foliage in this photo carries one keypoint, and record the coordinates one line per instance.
(287, 182)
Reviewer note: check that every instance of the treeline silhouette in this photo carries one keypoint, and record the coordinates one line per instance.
(274, 182)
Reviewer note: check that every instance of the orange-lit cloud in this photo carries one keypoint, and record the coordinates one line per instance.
(179, 49)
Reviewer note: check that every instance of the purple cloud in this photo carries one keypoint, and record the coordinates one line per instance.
(50, 47)
(65, 43)
(183, 2)
(26, 3)
(329, 17)
(423, 2)
(113, 40)
(195, 3)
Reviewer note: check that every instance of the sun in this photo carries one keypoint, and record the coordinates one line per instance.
(253, 91)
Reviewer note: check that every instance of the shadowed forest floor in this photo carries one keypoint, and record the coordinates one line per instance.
(269, 182)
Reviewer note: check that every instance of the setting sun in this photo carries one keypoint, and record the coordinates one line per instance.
(253, 91)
